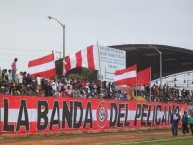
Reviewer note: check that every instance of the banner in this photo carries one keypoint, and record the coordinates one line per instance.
(87, 58)
(31, 114)
(126, 76)
(43, 67)
(143, 77)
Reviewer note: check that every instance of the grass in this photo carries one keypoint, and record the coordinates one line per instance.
(187, 140)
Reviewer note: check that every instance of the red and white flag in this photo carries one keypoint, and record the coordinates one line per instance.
(126, 76)
(143, 77)
(87, 58)
(43, 67)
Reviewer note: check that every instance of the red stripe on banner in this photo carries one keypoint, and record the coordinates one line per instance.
(42, 60)
(78, 59)
(45, 74)
(90, 57)
(128, 81)
(68, 65)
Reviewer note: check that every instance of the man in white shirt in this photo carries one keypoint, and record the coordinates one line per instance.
(10, 76)
(20, 78)
(54, 87)
(175, 117)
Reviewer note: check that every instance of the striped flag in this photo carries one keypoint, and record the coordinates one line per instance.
(126, 76)
(87, 58)
(43, 67)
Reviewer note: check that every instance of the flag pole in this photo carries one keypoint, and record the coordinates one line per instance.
(150, 85)
(56, 81)
(99, 72)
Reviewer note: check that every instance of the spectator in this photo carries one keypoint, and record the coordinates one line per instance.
(24, 74)
(98, 87)
(69, 90)
(54, 88)
(119, 95)
(4, 88)
(175, 117)
(20, 78)
(75, 92)
(125, 97)
(29, 80)
(190, 120)
(5, 75)
(185, 129)
(14, 68)
(10, 76)
(12, 88)
(47, 89)
(35, 84)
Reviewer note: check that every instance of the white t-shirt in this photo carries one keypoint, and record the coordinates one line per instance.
(175, 117)
(10, 76)
(54, 86)
(20, 79)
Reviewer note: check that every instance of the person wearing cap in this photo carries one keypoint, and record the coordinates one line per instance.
(185, 129)
(175, 117)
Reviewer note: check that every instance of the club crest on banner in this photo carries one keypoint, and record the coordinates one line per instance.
(102, 114)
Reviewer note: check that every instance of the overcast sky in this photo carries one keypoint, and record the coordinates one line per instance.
(26, 32)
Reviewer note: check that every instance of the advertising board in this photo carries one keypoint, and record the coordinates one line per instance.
(111, 60)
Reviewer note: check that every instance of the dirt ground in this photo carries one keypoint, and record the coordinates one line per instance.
(90, 139)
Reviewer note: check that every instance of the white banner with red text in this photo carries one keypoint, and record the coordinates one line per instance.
(31, 114)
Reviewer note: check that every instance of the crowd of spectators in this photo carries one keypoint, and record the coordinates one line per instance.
(24, 84)
(166, 94)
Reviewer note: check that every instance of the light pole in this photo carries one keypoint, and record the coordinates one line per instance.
(63, 27)
(160, 53)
